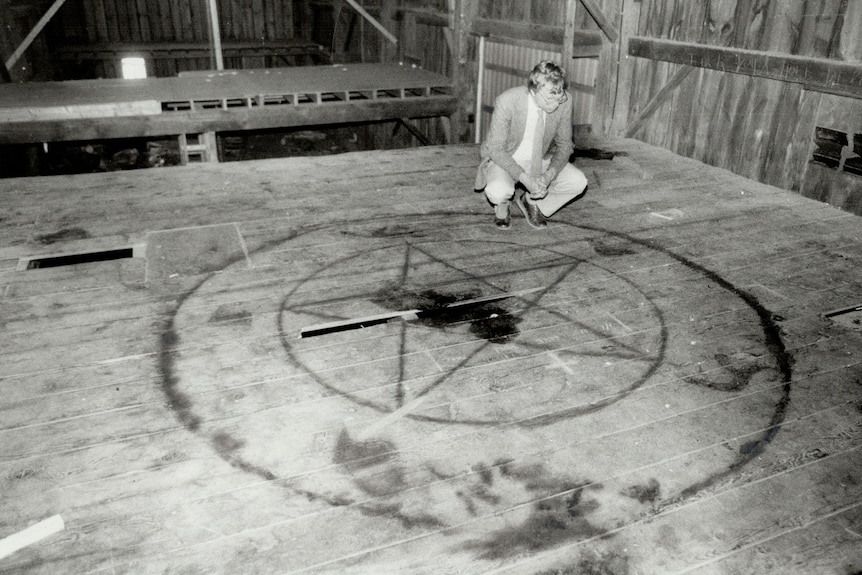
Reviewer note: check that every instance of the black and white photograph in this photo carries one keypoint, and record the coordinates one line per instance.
(431, 287)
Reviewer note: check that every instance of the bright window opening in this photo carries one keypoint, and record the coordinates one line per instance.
(134, 68)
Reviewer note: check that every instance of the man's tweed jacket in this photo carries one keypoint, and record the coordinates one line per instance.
(507, 130)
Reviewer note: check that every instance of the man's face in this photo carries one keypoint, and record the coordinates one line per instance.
(549, 97)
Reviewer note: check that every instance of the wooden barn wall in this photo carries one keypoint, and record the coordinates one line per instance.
(426, 37)
(426, 46)
(506, 63)
(759, 128)
(505, 67)
(17, 19)
(116, 23)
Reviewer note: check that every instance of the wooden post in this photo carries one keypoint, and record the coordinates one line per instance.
(613, 84)
(462, 77)
(215, 33)
(477, 136)
(569, 38)
(388, 50)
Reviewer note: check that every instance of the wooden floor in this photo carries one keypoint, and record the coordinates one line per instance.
(660, 382)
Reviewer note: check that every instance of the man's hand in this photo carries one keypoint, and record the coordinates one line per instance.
(537, 186)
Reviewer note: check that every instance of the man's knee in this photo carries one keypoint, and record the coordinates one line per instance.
(499, 192)
(573, 179)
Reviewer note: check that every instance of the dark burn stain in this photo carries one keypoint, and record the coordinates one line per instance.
(605, 564)
(554, 519)
(483, 493)
(468, 503)
(396, 231)
(595, 154)
(738, 376)
(178, 401)
(486, 474)
(648, 493)
(488, 321)
(227, 447)
(604, 247)
(372, 468)
(359, 454)
(393, 511)
(229, 313)
(399, 298)
(26, 473)
(552, 522)
(370, 464)
(336, 500)
(63, 235)
(225, 444)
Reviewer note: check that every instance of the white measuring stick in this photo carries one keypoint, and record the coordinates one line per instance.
(410, 314)
(30, 535)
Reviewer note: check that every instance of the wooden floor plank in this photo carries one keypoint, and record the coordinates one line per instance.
(817, 547)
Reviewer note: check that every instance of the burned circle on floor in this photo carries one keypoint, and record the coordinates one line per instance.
(488, 389)
(458, 327)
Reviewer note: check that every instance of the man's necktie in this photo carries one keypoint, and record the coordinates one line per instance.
(538, 135)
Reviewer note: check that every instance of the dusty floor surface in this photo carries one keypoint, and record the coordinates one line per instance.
(338, 365)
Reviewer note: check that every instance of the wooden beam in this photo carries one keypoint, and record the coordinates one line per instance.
(600, 19)
(587, 43)
(659, 99)
(544, 34)
(33, 33)
(362, 12)
(388, 52)
(413, 130)
(816, 74)
(189, 50)
(425, 17)
(218, 120)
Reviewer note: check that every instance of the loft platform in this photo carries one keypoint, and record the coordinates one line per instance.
(287, 53)
(212, 101)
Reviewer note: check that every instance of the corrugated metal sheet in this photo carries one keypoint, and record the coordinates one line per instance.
(508, 65)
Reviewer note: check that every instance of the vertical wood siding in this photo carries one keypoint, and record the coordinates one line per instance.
(169, 21)
(508, 65)
(759, 128)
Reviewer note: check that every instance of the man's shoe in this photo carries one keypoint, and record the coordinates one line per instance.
(532, 213)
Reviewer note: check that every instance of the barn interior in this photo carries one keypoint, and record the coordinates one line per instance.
(256, 318)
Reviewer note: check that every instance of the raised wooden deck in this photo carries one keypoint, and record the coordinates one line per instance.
(232, 100)
(661, 382)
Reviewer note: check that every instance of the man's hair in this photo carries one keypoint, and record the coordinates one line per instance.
(547, 72)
